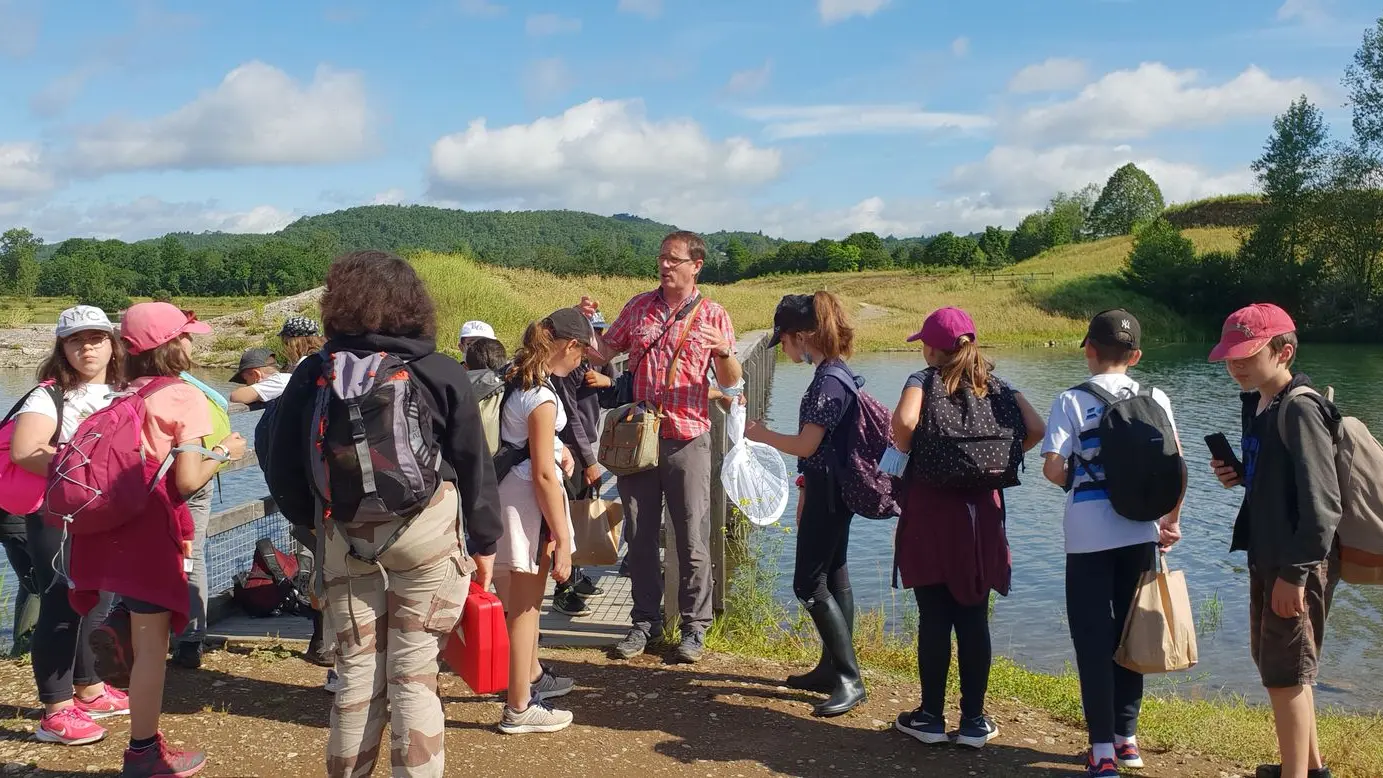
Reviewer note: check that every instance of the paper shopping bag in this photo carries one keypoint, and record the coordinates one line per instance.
(1160, 631)
(596, 526)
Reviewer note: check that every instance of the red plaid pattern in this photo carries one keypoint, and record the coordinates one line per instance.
(686, 405)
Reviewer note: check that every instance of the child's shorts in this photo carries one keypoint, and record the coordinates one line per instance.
(1287, 651)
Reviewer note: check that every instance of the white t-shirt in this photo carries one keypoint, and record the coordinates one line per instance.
(1091, 523)
(272, 387)
(513, 425)
(76, 406)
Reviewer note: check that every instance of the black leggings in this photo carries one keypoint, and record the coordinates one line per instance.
(939, 614)
(822, 541)
(1099, 591)
(61, 652)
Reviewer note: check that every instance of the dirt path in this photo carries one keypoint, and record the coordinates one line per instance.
(262, 715)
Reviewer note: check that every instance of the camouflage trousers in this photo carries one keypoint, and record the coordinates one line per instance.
(389, 625)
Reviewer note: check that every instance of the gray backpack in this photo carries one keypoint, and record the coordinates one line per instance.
(377, 453)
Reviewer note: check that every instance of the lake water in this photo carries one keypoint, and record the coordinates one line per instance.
(1030, 624)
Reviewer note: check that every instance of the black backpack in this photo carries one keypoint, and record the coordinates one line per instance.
(968, 442)
(1138, 463)
(264, 434)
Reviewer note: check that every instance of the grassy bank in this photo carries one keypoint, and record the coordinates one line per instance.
(19, 311)
(1048, 299)
(757, 624)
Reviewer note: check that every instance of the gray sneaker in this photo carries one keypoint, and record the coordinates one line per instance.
(633, 644)
(539, 716)
(691, 648)
(549, 686)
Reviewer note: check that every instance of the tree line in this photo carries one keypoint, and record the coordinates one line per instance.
(1317, 246)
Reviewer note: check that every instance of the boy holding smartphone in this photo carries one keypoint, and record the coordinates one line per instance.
(1286, 523)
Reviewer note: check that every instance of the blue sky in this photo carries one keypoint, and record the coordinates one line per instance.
(801, 118)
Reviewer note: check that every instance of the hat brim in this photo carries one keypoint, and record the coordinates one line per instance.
(196, 328)
(1239, 350)
(239, 377)
(775, 338)
(106, 328)
(916, 336)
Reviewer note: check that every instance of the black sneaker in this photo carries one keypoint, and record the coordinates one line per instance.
(587, 589)
(633, 644)
(1275, 771)
(691, 648)
(923, 726)
(189, 655)
(624, 568)
(977, 731)
(570, 603)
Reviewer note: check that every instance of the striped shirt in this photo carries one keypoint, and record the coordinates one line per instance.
(649, 331)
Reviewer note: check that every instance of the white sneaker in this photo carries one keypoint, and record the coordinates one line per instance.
(539, 716)
(333, 684)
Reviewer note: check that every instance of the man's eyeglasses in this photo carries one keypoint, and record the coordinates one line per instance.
(672, 260)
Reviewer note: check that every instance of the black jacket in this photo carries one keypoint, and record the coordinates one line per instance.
(465, 458)
(1288, 518)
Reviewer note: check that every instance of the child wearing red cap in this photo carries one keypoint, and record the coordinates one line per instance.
(950, 548)
(145, 560)
(1286, 523)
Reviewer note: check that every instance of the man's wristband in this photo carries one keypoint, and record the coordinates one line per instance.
(722, 354)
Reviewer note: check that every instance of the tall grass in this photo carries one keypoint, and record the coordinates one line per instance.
(887, 305)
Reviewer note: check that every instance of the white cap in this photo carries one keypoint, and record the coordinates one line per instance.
(477, 329)
(82, 317)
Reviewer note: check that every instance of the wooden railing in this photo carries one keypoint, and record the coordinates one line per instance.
(758, 363)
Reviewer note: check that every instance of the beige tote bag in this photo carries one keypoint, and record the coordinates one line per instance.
(596, 526)
(1160, 631)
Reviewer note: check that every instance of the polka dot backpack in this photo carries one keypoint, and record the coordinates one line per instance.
(967, 442)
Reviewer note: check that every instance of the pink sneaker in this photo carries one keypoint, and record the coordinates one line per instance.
(69, 727)
(111, 702)
(162, 761)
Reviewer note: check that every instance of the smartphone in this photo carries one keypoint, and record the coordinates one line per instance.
(1221, 450)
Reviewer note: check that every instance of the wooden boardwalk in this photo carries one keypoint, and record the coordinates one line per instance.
(606, 625)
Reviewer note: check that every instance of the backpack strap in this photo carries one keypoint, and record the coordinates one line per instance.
(677, 351)
(58, 398)
(1107, 399)
(1296, 392)
(1099, 392)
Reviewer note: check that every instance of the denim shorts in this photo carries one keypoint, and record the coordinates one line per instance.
(1288, 651)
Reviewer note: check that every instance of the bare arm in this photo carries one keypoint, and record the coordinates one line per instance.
(192, 469)
(803, 444)
(244, 395)
(547, 488)
(29, 448)
(906, 416)
(1032, 422)
(1054, 469)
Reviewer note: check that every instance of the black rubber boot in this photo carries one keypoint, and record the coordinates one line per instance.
(847, 689)
(822, 677)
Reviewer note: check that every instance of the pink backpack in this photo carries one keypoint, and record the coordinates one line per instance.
(21, 492)
(101, 478)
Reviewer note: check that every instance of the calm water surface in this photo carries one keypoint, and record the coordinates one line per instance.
(1030, 624)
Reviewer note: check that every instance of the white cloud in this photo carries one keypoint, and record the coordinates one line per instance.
(147, 217)
(1135, 103)
(392, 196)
(23, 170)
(480, 8)
(1023, 179)
(602, 155)
(19, 28)
(257, 115)
(960, 46)
(649, 9)
(59, 93)
(1304, 11)
(542, 25)
(545, 79)
(1051, 75)
(809, 121)
(832, 11)
(747, 82)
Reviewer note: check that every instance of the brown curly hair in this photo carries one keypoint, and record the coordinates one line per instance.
(376, 292)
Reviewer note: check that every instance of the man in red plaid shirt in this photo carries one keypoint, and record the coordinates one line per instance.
(649, 329)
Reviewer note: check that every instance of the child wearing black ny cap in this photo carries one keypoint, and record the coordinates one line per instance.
(1106, 553)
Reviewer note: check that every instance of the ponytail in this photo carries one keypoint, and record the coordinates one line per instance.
(530, 361)
(833, 336)
(966, 367)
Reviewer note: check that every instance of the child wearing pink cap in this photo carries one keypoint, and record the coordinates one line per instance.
(144, 560)
(1286, 523)
(950, 548)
